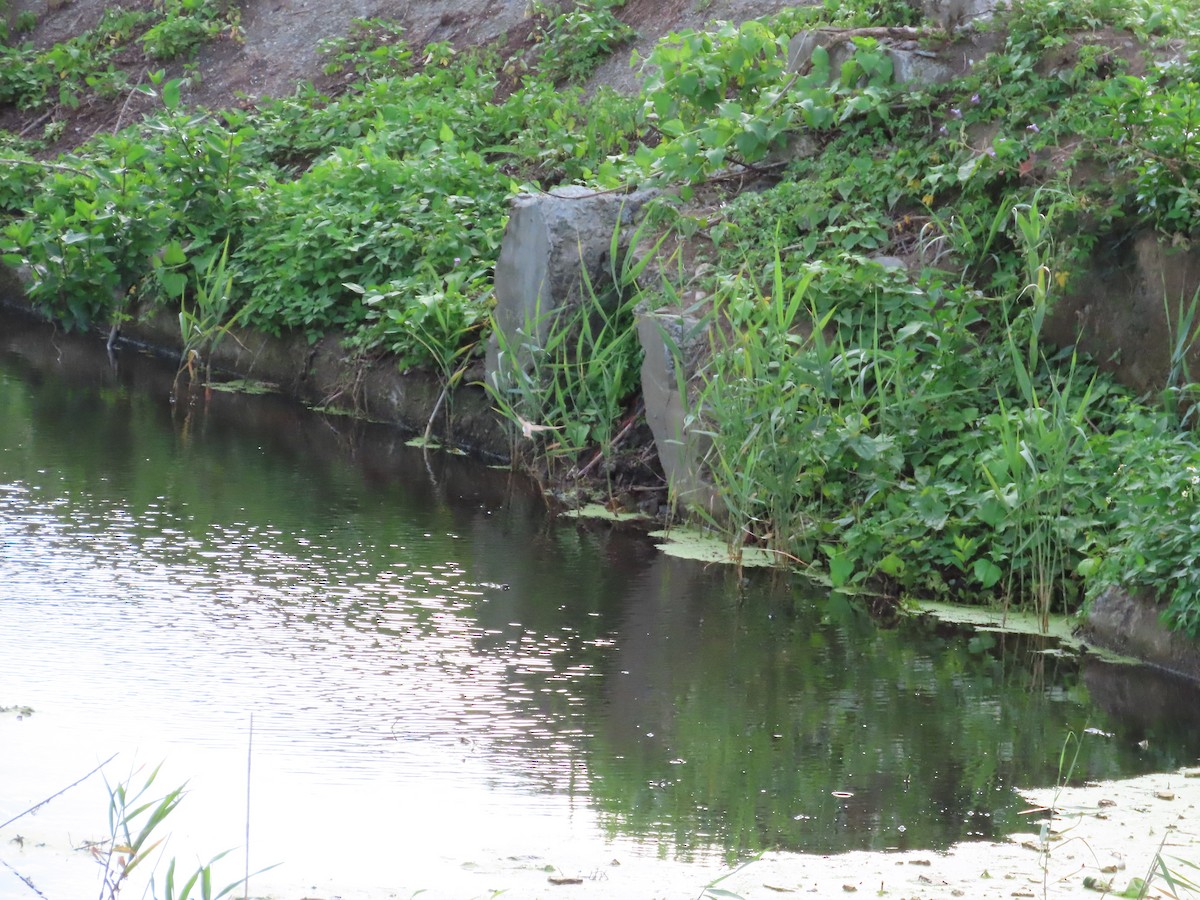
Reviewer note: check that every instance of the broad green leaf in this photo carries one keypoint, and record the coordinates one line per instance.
(987, 572)
(174, 283)
(841, 567)
(967, 169)
(173, 254)
(170, 93)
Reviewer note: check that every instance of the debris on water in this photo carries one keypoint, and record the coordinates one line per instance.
(243, 386)
(422, 443)
(688, 544)
(598, 511)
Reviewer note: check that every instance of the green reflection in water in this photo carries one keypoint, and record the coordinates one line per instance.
(762, 711)
(692, 711)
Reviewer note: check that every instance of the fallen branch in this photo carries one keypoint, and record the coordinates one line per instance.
(28, 883)
(35, 123)
(621, 434)
(57, 167)
(136, 89)
(39, 805)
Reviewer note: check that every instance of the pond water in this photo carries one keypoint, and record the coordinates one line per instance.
(439, 674)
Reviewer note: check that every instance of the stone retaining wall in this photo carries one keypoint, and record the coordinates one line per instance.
(1131, 624)
(324, 374)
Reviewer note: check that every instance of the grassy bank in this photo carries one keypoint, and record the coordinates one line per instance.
(905, 430)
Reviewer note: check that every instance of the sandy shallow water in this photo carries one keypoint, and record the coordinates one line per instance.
(1106, 833)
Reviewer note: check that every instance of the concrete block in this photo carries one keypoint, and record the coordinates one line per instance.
(556, 248)
(673, 342)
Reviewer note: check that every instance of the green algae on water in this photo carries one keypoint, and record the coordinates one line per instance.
(688, 544)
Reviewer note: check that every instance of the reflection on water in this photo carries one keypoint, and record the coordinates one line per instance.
(431, 664)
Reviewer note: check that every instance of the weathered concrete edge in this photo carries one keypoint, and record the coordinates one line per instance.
(1131, 624)
(324, 374)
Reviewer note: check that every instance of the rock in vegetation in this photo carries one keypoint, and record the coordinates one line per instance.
(1132, 307)
(560, 250)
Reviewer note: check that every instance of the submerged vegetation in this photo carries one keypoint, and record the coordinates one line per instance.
(894, 425)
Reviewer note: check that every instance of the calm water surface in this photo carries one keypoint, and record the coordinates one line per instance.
(440, 675)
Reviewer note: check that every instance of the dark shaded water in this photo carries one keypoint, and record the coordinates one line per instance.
(432, 663)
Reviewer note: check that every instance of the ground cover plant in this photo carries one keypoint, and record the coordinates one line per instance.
(907, 430)
(395, 190)
(902, 429)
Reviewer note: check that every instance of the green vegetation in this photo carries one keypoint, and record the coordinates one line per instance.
(904, 430)
(908, 430)
(576, 38)
(204, 325)
(378, 213)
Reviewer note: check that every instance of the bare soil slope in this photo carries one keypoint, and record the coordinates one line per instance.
(276, 46)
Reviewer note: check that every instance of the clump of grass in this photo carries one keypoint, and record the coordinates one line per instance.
(567, 389)
(211, 316)
(136, 818)
(565, 376)
(1170, 871)
(137, 839)
(1041, 441)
